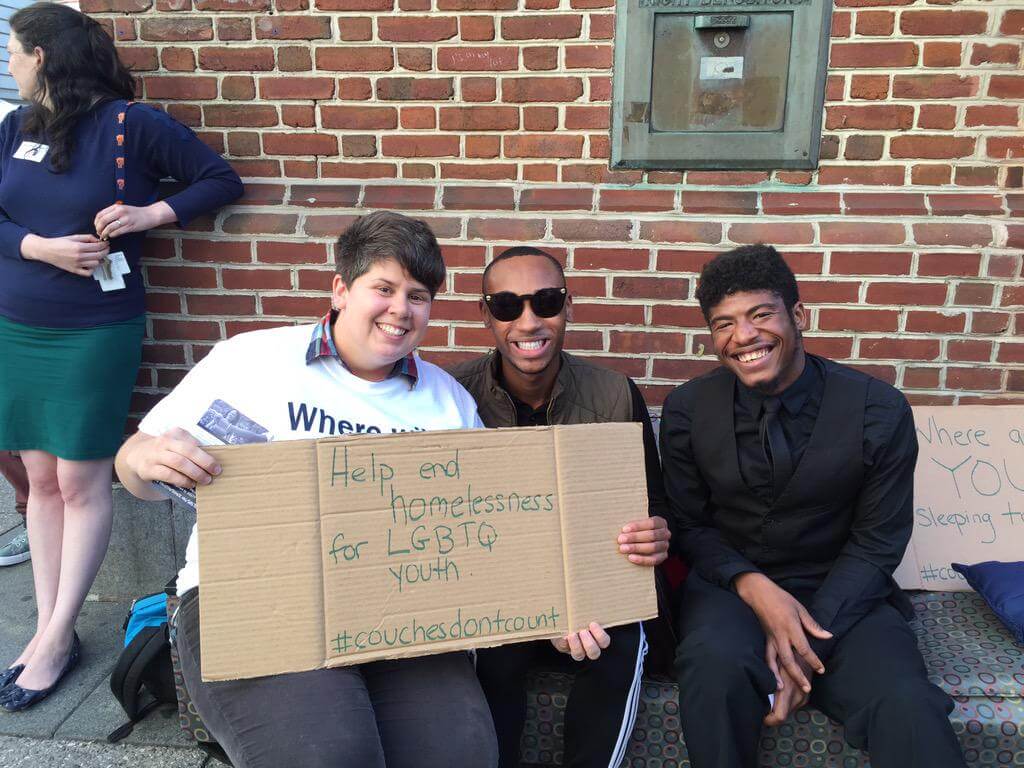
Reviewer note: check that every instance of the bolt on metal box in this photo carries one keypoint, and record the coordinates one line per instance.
(719, 83)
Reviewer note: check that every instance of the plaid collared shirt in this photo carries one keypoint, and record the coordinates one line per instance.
(321, 344)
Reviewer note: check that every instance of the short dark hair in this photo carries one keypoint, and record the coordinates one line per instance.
(522, 250)
(383, 235)
(747, 268)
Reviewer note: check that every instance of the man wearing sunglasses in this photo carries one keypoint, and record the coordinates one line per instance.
(529, 381)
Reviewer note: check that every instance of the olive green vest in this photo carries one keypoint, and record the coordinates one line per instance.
(584, 393)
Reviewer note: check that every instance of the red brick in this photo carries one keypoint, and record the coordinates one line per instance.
(295, 306)
(361, 118)
(903, 293)
(936, 322)
(631, 259)
(553, 89)
(1010, 353)
(479, 118)
(324, 195)
(774, 233)
(418, 118)
(874, 23)
(841, 24)
(542, 27)
(260, 223)
(540, 119)
(835, 87)
(719, 203)
(540, 58)
(829, 292)
(590, 230)
(976, 294)
(178, 59)
(355, 5)
(478, 59)
(969, 350)
(556, 199)
(232, 115)
(936, 116)
(236, 59)
(976, 378)
(920, 378)
(476, 28)
(1012, 23)
(290, 88)
(884, 204)
(494, 172)
(966, 205)
(1004, 147)
(355, 29)
(977, 176)
(422, 145)
(875, 175)
(637, 342)
(861, 262)
(931, 147)
(900, 349)
(1002, 53)
(683, 317)
(990, 323)
(416, 59)
(1003, 265)
(176, 29)
(602, 26)
(873, 55)
(870, 87)
(220, 304)
(930, 175)
(725, 178)
(864, 147)
(404, 197)
(878, 320)
(478, 198)
(992, 114)
(587, 118)
(681, 231)
(139, 59)
(180, 276)
(178, 87)
(934, 86)
(355, 59)
(293, 28)
(479, 89)
(292, 253)
(415, 88)
(539, 145)
(943, 23)
(942, 54)
(871, 117)
(673, 260)
(636, 200)
(668, 288)
(416, 29)
(482, 147)
(949, 264)
(953, 234)
(359, 146)
(800, 203)
(299, 144)
(507, 229)
(861, 233)
(1006, 87)
(254, 168)
(588, 57)
(477, 5)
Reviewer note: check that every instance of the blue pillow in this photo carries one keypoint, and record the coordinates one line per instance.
(1002, 587)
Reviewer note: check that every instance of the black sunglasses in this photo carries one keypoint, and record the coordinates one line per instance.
(507, 306)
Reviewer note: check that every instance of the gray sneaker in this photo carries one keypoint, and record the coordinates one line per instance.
(16, 550)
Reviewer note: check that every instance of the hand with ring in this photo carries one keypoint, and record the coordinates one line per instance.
(119, 219)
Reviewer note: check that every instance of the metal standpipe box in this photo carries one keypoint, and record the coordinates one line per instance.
(719, 83)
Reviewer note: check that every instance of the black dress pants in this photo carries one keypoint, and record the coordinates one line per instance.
(875, 684)
(426, 712)
(601, 709)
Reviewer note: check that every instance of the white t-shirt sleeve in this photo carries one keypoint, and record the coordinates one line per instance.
(189, 400)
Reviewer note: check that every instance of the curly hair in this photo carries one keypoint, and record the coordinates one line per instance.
(80, 70)
(747, 268)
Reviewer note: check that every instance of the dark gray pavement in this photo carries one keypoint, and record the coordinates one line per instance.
(69, 729)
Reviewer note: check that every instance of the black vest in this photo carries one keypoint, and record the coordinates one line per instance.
(801, 533)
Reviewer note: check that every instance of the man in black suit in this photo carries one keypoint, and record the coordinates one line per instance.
(791, 479)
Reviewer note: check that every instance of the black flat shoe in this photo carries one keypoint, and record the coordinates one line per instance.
(10, 674)
(14, 698)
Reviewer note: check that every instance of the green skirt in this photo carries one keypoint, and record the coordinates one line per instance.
(66, 391)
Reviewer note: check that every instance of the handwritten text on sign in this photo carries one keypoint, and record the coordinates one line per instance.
(968, 492)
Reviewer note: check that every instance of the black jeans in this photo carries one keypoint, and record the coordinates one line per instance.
(601, 709)
(875, 684)
(409, 713)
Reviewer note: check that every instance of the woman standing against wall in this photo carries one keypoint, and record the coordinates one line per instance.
(79, 175)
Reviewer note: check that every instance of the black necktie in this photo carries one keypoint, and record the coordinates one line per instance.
(776, 449)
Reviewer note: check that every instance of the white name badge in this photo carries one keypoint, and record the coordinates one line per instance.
(29, 150)
(111, 271)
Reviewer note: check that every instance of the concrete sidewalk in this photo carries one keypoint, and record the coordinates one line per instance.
(69, 729)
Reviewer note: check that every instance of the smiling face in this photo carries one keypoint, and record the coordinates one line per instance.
(382, 317)
(529, 344)
(24, 67)
(758, 340)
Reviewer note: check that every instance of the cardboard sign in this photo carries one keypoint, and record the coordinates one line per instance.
(345, 550)
(968, 493)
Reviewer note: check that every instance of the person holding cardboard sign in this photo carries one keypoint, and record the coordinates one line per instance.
(355, 369)
(791, 478)
(529, 381)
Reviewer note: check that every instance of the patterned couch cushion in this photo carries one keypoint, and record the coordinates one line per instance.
(968, 652)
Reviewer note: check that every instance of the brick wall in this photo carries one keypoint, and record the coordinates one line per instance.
(489, 119)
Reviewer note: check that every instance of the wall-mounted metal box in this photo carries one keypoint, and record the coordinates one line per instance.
(719, 83)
